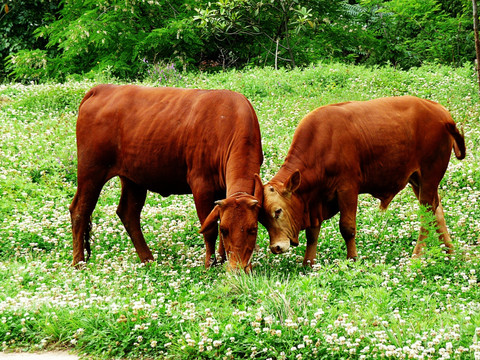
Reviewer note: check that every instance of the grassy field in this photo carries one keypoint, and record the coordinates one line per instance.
(383, 306)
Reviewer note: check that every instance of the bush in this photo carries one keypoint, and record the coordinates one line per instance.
(99, 35)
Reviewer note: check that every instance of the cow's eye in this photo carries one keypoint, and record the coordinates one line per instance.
(224, 231)
(277, 213)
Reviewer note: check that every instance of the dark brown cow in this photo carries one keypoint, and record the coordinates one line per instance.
(341, 150)
(171, 141)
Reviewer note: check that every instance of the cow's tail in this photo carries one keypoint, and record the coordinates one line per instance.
(93, 91)
(459, 141)
(86, 239)
(87, 96)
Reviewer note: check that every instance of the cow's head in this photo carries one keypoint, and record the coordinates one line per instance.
(282, 213)
(238, 225)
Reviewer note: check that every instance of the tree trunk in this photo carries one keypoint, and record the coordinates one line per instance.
(477, 41)
(276, 55)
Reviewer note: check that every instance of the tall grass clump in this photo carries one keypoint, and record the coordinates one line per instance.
(385, 305)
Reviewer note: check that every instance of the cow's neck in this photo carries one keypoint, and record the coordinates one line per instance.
(240, 174)
(236, 183)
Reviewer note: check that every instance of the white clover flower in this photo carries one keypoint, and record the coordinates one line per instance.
(255, 324)
(217, 343)
(319, 314)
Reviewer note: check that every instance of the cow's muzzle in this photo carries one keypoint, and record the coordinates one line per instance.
(279, 247)
(236, 264)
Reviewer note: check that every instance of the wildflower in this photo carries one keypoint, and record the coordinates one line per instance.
(153, 343)
(268, 320)
(318, 314)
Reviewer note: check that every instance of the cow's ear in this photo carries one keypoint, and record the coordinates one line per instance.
(258, 192)
(293, 182)
(211, 220)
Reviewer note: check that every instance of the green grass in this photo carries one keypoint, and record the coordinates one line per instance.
(383, 306)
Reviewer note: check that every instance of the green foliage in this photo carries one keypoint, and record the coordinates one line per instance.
(267, 32)
(92, 36)
(61, 39)
(18, 20)
(411, 32)
(29, 65)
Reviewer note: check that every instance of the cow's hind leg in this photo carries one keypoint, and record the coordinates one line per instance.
(129, 209)
(427, 194)
(442, 228)
(347, 204)
(81, 210)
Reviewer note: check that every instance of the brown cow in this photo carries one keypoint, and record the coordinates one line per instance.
(171, 141)
(341, 150)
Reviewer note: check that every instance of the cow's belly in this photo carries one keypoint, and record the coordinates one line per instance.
(385, 188)
(165, 179)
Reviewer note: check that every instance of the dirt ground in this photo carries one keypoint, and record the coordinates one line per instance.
(51, 355)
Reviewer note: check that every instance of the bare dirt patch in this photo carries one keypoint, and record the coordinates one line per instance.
(51, 355)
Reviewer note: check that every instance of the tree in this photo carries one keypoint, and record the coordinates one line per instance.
(411, 32)
(247, 28)
(18, 21)
(477, 41)
(119, 36)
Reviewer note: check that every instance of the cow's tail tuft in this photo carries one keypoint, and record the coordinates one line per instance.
(86, 239)
(459, 144)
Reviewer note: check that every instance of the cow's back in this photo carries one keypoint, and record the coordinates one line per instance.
(162, 137)
(375, 144)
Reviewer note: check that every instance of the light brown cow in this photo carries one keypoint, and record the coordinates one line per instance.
(171, 141)
(341, 150)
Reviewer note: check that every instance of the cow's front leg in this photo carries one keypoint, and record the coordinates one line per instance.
(204, 203)
(221, 250)
(347, 204)
(311, 250)
(210, 238)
